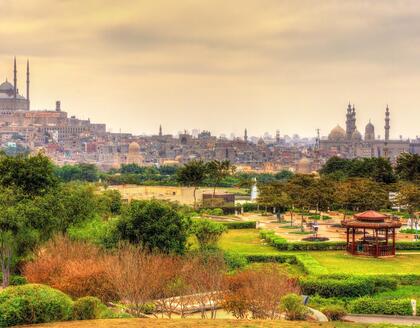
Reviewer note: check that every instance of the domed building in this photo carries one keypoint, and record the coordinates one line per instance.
(10, 98)
(351, 144)
(134, 156)
(337, 134)
(369, 132)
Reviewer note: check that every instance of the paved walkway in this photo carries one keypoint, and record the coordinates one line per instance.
(400, 320)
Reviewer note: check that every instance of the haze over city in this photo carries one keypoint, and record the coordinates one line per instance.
(217, 65)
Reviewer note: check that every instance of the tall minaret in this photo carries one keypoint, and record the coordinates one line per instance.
(160, 130)
(246, 135)
(277, 136)
(27, 85)
(353, 122)
(348, 122)
(14, 78)
(387, 127)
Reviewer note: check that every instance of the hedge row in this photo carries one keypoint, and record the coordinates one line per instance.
(241, 225)
(346, 286)
(283, 245)
(309, 265)
(291, 259)
(368, 305)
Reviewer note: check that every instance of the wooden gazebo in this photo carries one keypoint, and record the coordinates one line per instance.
(375, 244)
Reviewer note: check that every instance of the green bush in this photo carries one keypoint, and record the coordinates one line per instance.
(368, 305)
(87, 308)
(407, 245)
(241, 225)
(293, 307)
(334, 312)
(310, 265)
(15, 280)
(33, 303)
(318, 302)
(235, 260)
(346, 285)
(291, 259)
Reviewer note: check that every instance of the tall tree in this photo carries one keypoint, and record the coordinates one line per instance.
(408, 167)
(217, 171)
(192, 174)
(408, 197)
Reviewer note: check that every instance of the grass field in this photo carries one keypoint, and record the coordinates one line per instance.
(245, 241)
(193, 323)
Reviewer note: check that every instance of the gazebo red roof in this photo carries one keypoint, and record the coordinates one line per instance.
(371, 216)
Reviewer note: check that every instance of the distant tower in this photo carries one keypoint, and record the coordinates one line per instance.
(353, 122)
(160, 130)
(387, 127)
(27, 84)
(277, 136)
(349, 119)
(246, 135)
(14, 78)
(58, 106)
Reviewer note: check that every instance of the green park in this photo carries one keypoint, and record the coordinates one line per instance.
(325, 250)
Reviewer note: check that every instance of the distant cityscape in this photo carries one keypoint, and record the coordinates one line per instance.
(67, 139)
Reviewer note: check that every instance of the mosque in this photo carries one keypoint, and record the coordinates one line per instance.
(10, 98)
(350, 143)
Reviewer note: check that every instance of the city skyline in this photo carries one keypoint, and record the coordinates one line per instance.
(265, 66)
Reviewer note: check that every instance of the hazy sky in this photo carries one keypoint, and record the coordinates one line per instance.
(221, 65)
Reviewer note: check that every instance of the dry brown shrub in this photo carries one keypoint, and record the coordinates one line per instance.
(258, 292)
(76, 268)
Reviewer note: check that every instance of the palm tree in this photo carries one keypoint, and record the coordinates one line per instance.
(192, 174)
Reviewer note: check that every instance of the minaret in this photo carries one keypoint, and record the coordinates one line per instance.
(277, 136)
(246, 135)
(353, 122)
(387, 127)
(348, 122)
(14, 78)
(160, 130)
(27, 85)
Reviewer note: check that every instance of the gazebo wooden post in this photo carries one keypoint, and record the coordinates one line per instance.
(393, 241)
(386, 236)
(353, 246)
(377, 243)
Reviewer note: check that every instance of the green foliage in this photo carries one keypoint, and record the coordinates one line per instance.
(369, 305)
(310, 265)
(334, 312)
(87, 308)
(109, 203)
(240, 225)
(32, 303)
(293, 307)
(155, 225)
(291, 259)
(235, 260)
(377, 169)
(15, 280)
(79, 172)
(346, 285)
(32, 175)
(408, 167)
(207, 232)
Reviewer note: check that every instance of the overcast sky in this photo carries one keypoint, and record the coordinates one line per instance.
(220, 65)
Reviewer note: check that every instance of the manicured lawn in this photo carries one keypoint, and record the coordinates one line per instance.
(193, 323)
(341, 262)
(245, 241)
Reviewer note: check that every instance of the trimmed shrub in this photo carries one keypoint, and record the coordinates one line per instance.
(33, 303)
(407, 245)
(293, 307)
(368, 305)
(291, 259)
(346, 286)
(309, 265)
(87, 308)
(318, 302)
(334, 312)
(235, 260)
(241, 225)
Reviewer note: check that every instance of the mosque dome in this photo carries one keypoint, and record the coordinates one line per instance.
(369, 131)
(356, 135)
(133, 147)
(6, 86)
(337, 134)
